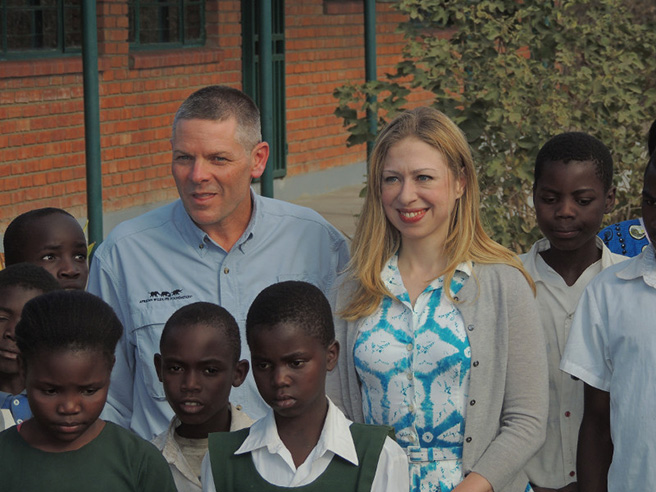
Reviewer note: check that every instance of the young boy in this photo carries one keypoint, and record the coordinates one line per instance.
(571, 193)
(290, 333)
(52, 239)
(18, 284)
(612, 348)
(198, 363)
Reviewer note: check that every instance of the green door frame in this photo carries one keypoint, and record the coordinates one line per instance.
(250, 73)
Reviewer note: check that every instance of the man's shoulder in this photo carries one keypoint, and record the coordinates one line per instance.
(141, 227)
(291, 211)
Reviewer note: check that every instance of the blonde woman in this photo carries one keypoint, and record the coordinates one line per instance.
(459, 372)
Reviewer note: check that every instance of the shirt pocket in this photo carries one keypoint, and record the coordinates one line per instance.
(149, 326)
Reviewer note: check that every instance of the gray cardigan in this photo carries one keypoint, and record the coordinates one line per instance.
(508, 389)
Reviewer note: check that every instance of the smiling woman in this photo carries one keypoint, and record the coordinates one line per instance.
(433, 318)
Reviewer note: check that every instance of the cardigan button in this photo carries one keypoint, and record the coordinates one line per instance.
(472, 403)
(468, 439)
(475, 364)
(470, 327)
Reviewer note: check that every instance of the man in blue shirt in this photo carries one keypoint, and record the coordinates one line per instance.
(220, 242)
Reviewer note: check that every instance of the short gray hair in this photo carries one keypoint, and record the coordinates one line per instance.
(219, 103)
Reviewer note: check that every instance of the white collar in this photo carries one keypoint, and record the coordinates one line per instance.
(335, 436)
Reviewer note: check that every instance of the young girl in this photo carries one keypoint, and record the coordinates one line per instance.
(438, 323)
(67, 341)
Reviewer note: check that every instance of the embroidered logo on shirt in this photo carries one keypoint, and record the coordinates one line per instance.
(165, 295)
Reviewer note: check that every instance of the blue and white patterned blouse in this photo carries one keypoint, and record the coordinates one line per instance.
(414, 363)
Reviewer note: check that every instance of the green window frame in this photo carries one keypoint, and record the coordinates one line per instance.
(158, 24)
(40, 28)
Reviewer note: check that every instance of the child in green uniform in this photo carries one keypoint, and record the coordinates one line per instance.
(304, 440)
(67, 341)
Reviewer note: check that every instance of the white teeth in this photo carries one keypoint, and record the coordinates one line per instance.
(411, 214)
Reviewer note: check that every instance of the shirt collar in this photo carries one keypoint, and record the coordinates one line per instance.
(5, 396)
(335, 436)
(391, 277)
(643, 265)
(199, 240)
(539, 269)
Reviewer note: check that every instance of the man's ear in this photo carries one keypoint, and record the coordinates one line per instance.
(158, 366)
(259, 158)
(332, 354)
(240, 372)
(610, 200)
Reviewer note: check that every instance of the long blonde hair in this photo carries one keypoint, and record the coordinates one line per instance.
(376, 239)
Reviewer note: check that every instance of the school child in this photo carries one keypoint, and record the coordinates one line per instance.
(53, 239)
(304, 440)
(67, 341)
(612, 348)
(18, 284)
(198, 363)
(571, 193)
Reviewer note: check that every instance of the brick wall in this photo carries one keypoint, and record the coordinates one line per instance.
(41, 105)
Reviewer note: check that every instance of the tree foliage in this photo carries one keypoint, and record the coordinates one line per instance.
(514, 73)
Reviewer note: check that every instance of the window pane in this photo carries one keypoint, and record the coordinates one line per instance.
(159, 24)
(160, 21)
(193, 29)
(73, 25)
(29, 29)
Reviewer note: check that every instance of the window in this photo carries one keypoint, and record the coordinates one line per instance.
(166, 23)
(40, 27)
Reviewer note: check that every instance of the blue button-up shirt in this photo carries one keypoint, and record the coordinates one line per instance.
(154, 264)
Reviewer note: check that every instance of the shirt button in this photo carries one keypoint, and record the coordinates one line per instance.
(567, 413)
(475, 364)
(472, 403)
(201, 246)
(572, 473)
(19, 421)
(409, 347)
(16, 402)
(226, 270)
(455, 298)
(410, 375)
(411, 408)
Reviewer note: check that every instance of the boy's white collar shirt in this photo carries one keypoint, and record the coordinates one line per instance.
(612, 346)
(274, 462)
(185, 479)
(554, 465)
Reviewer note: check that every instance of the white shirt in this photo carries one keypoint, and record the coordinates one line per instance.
(274, 462)
(612, 347)
(185, 479)
(554, 466)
